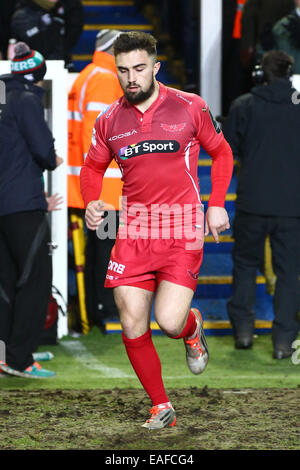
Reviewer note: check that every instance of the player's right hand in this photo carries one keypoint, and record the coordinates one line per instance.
(216, 221)
(94, 214)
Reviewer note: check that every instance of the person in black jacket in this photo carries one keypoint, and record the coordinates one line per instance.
(286, 33)
(235, 80)
(259, 16)
(6, 11)
(26, 150)
(263, 130)
(52, 27)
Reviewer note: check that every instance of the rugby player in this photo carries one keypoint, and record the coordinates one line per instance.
(155, 133)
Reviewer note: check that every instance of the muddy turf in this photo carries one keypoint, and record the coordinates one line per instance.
(207, 419)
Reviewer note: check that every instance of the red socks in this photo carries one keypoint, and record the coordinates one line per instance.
(147, 366)
(189, 328)
(146, 363)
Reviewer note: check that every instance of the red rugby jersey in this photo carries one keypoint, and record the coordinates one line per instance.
(157, 151)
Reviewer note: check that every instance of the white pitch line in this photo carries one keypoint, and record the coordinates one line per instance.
(213, 377)
(90, 361)
(80, 352)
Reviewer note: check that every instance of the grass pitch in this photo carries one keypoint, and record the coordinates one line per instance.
(244, 399)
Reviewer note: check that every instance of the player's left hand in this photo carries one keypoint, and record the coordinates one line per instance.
(216, 221)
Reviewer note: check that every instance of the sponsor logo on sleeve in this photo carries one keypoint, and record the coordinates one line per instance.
(102, 113)
(94, 137)
(215, 123)
(107, 111)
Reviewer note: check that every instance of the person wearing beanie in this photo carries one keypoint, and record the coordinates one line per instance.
(26, 150)
(52, 27)
(6, 11)
(105, 39)
(28, 63)
(96, 87)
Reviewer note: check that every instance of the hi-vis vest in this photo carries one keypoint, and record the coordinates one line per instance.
(95, 88)
(237, 28)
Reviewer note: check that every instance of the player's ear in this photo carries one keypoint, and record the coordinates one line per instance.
(156, 68)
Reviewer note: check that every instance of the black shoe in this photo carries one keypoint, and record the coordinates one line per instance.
(244, 341)
(282, 352)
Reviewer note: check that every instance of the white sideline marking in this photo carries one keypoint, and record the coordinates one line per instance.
(209, 377)
(212, 377)
(80, 352)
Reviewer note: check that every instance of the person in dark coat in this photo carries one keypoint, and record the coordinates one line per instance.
(26, 150)
(286, 33)
(7, 9)
(262, 129)
(235, 80)
(52, 27)
(259, 16)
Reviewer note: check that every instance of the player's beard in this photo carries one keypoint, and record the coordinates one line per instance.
(141, 95)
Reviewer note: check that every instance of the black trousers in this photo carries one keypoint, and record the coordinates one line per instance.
(25, 284)
(100, 303)
(250, 232)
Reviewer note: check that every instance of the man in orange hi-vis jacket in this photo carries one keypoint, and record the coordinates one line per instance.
(235, 79)
(237, 27)
(96, 87)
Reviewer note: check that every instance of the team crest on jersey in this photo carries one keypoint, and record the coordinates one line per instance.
(173, 127)
(148, 146)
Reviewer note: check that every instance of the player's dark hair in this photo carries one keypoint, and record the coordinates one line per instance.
(135, 40)
(277, 64)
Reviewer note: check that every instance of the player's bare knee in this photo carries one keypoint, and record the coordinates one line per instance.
(128, 322)
(132, 326)
(171, 321)
(171, 326)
